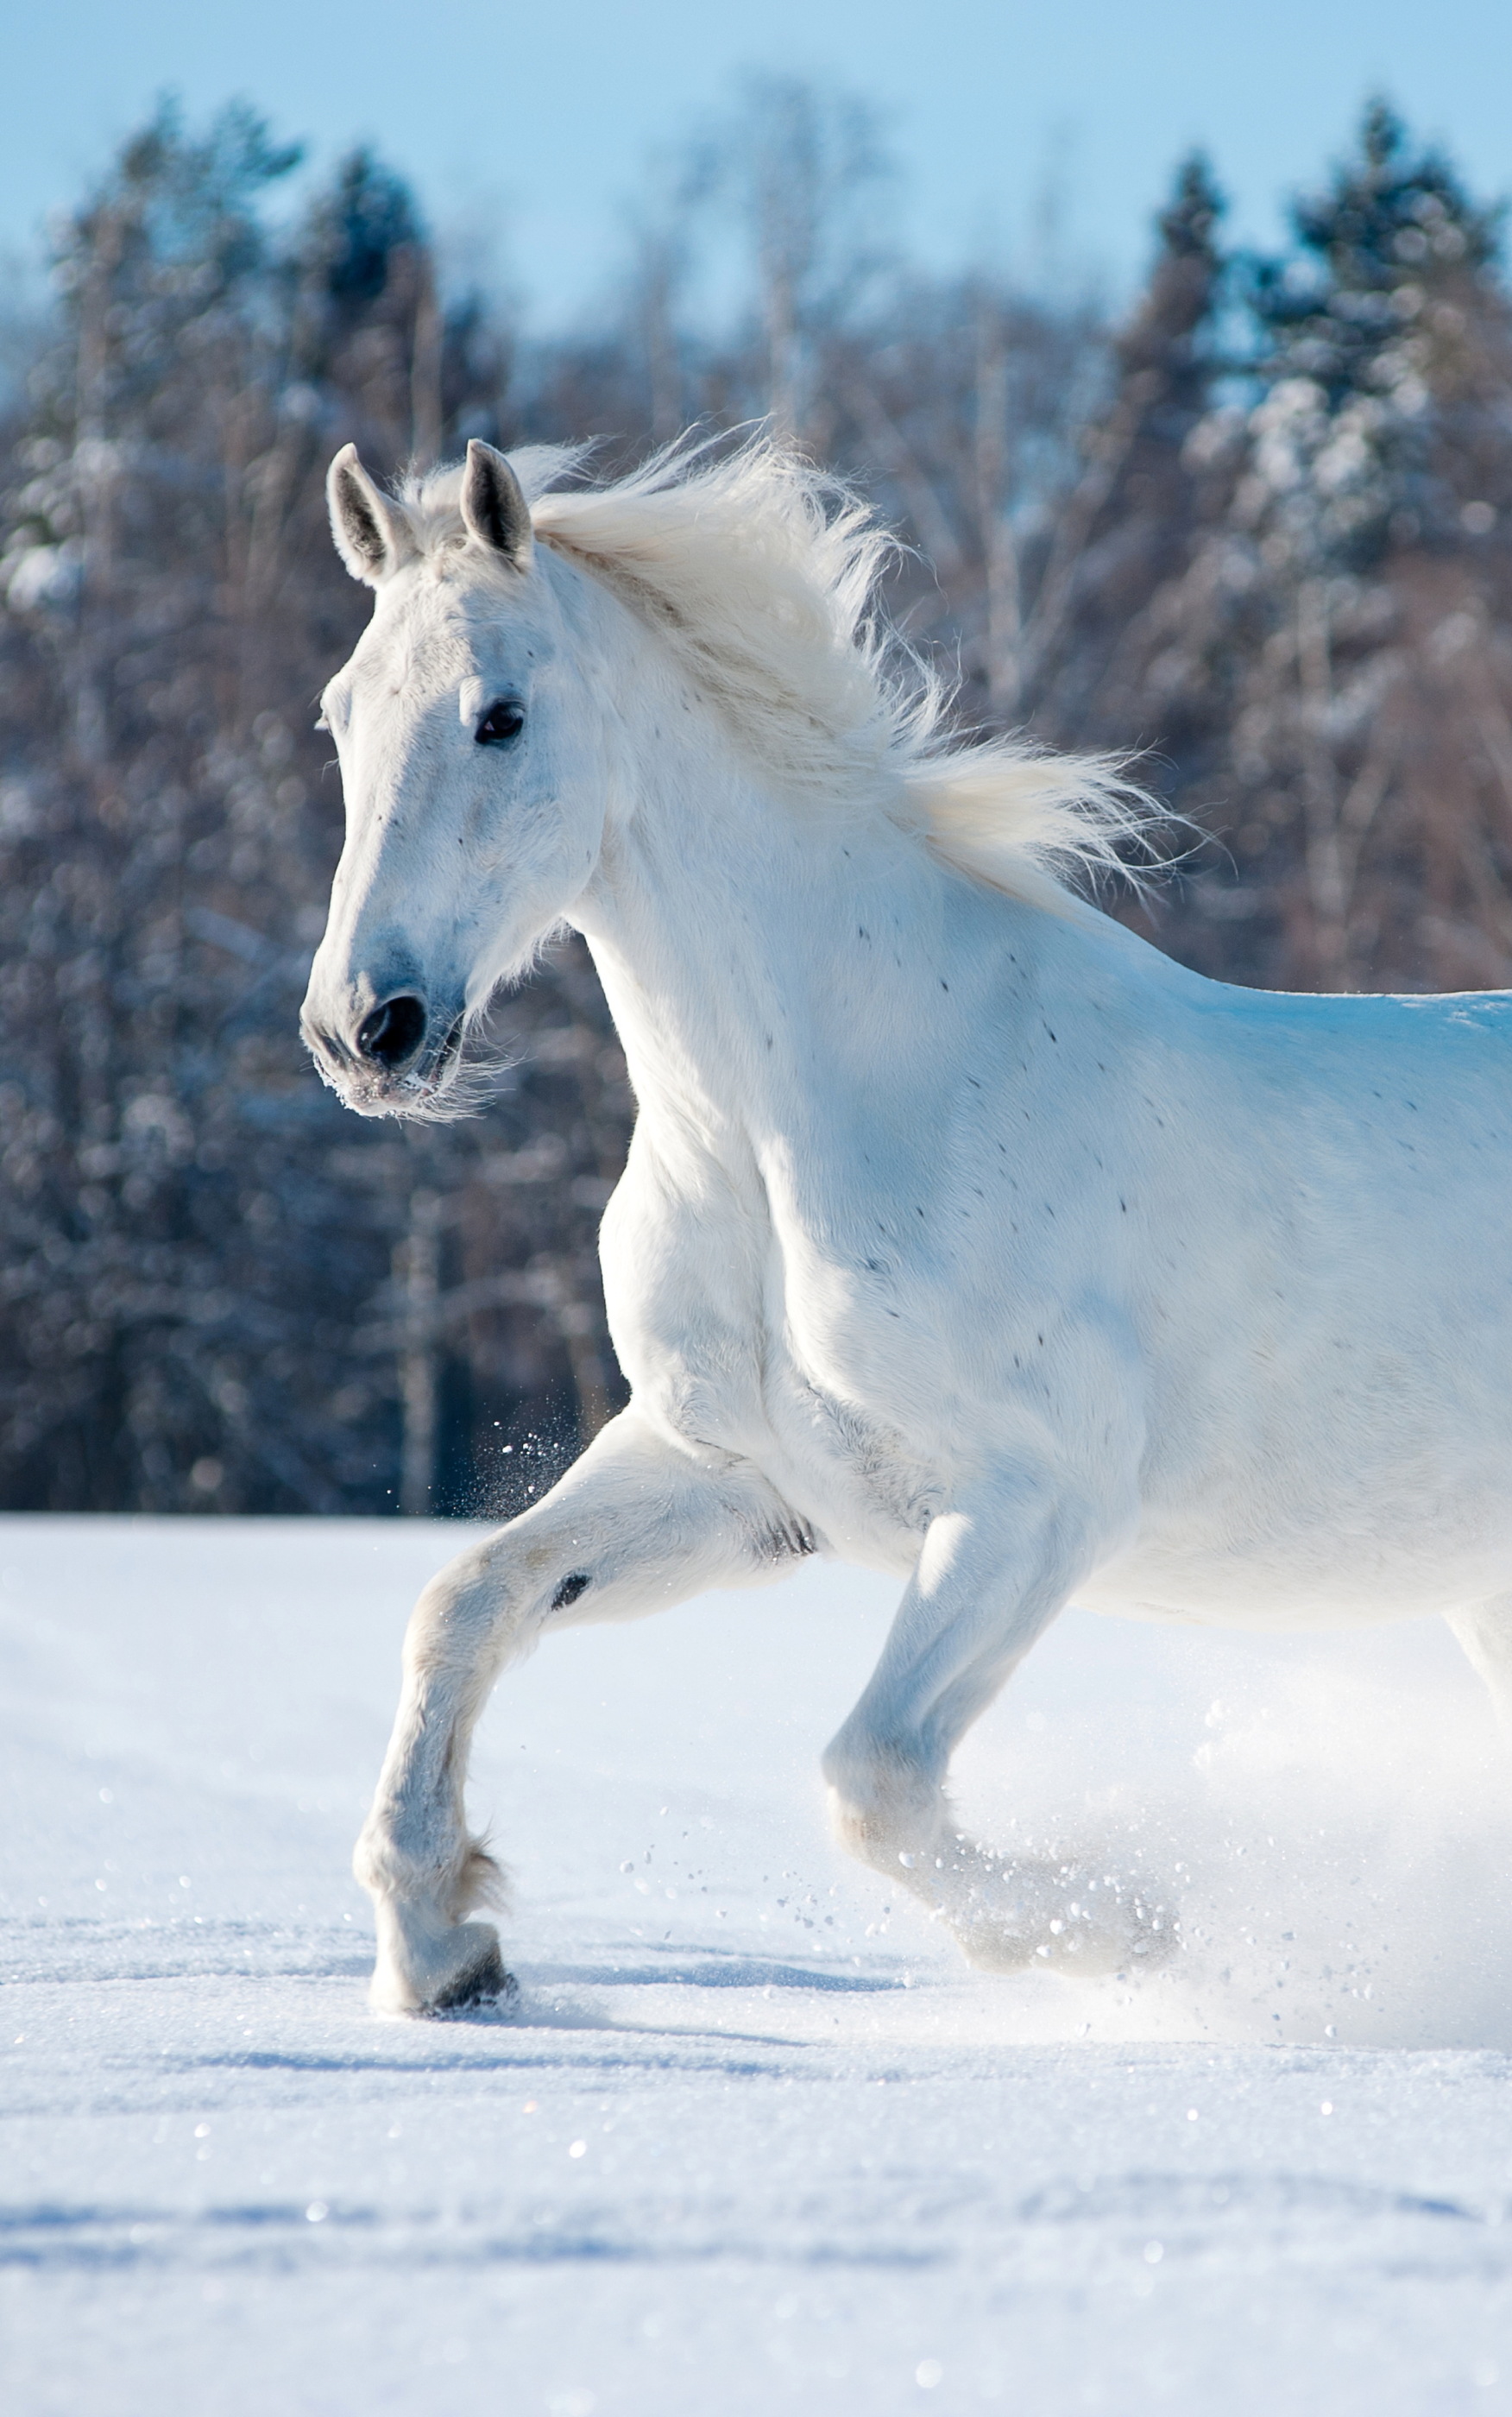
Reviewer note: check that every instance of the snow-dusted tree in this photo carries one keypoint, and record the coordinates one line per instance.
(803, 169)
(1132, 530)
(1346, 602)
(1263, 528)
(207, 1279)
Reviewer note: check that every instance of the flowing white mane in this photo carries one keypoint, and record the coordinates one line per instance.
(760, 573)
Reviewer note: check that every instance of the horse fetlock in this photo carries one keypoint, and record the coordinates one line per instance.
(894, 1829)
(428, 1965)
(426, 1859)
(478, 1881)
(388, 1867)
(453, 1878)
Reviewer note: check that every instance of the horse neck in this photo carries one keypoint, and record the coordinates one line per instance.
(725, 925)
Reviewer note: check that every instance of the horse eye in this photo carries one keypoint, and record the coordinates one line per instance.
(504, 719)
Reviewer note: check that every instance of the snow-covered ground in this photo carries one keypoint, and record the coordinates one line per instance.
(754, 2140)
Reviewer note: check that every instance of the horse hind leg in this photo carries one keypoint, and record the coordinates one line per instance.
(973, 1609)
(1485, 1636)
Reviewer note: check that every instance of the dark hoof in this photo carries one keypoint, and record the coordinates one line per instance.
(483, 1983)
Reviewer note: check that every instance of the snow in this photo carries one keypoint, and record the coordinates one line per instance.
(752, 2140)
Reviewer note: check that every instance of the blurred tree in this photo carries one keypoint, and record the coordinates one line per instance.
(1265, 525)
(207, 1281)
(1361, 556)
(1378, 480)
(804, 171)
(1295, 582)
(1146, 495)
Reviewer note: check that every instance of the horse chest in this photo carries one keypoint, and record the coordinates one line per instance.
(756, 1344)
(835, 1372)
(840, 1443)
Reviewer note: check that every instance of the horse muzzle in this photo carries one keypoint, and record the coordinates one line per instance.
(393, 1059)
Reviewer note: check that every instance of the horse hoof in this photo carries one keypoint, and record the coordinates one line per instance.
(1083, 1939)
(1085, 1956)
(482, 1981)
(438, 1971)
(989, 1949)
(1155, 1941)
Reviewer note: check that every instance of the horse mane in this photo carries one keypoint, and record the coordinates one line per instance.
(760, 573)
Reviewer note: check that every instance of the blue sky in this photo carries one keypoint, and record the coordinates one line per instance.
(535, 122)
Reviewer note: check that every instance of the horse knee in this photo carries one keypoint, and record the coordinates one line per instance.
(459, 1613)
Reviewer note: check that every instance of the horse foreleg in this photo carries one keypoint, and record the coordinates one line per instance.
(986, 1586)
(636, 1525)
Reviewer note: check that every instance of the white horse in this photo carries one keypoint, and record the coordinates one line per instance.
(963, 1234)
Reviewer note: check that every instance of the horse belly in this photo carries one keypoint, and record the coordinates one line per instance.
(1275, 1590)
(1315, 1540)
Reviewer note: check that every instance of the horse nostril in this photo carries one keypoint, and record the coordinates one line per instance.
(392, 1033)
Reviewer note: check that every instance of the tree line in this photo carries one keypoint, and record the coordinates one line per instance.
(1258, 526)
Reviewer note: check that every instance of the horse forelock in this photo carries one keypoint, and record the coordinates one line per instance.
(760, 574)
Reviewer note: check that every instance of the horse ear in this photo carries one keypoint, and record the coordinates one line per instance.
(368, 538)
(494, 507)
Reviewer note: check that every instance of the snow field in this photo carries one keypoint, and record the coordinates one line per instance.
(754, 2140)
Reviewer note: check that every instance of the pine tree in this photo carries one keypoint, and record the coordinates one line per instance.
(1265, 528)
(1156, 474)
(1372, 516)
(1312, 644)
(209, 1276)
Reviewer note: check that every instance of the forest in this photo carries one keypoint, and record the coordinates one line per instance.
(1252, 529)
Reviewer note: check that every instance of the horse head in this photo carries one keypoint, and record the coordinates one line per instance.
(475, 806)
